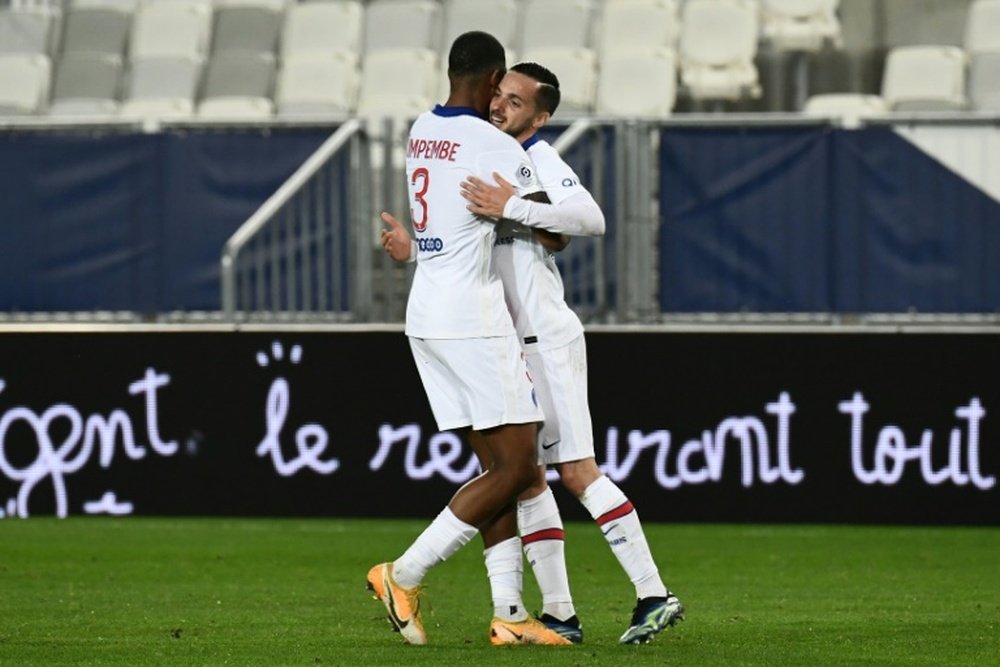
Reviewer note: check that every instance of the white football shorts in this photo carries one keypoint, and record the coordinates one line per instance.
(560, 376)
(477, 382)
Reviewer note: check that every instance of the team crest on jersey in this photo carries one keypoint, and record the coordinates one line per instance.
(525, 174)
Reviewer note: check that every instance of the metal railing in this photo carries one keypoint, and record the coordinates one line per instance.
(302, 252)
(294, 259)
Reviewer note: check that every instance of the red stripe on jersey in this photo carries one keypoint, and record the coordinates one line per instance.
(546, 534)
(616, 513)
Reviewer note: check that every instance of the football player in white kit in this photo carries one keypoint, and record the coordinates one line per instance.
(553, 340)
(552, 336)
(464, 342)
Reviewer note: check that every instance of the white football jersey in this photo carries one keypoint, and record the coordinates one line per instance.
(456, 291)
(533, 286)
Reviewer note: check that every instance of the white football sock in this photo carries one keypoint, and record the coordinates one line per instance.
(446, 535)
(619, 522)
(543, 537)
(505, 568)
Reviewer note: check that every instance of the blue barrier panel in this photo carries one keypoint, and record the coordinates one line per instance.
(819, 220)
(132, 222)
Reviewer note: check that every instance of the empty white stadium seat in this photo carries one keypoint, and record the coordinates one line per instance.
(25, 88)
(332, 26)
(248, 26)
(497, 17)
(925, 78)
(717, 47)
(28, 30)
(402, 24)
(171, 28)
(86, 84)
(982, 27)
(629, 25)
(801, 25)
(984, 81)
(317, 83)
(162, 87)
(97, 29)
(550, 24)
(638, 84)
(576, 69)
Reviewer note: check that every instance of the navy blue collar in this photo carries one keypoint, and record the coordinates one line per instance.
(531, 141)
(440, 110)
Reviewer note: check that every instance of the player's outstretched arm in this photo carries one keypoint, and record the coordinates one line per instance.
(396, 240)
(577, 215)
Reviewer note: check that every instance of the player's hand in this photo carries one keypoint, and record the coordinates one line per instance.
(395, 240)
(486, 199)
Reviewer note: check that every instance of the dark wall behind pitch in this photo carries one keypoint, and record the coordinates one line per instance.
(817, 427)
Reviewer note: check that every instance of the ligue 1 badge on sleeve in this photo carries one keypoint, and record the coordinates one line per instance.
(525, 175)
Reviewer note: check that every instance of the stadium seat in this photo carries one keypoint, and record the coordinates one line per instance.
(628, 25)
(97, 29)
(984, 82)
(86, 84)
(925, 78)
(638, 84)
(552, 24)
(402, 24)
(323, 27)
(498, 17)
(718, 43)
(162, 87)
(247, 26)
(396, 85)
(982, 27)
(317, 83)
(801, 25)
(178, 28)
(25, 88)
(28, 30)
(238, 84)
(576, 69)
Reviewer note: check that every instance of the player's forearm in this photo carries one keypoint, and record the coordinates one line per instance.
(578, 215)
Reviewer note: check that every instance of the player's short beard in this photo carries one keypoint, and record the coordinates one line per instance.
(516, 130)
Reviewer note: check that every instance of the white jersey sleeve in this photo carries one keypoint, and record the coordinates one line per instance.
(573, 210)
(456, 292)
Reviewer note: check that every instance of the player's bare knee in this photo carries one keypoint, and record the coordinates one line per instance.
(576, 476)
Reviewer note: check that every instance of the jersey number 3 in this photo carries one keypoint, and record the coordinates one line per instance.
(420, 181)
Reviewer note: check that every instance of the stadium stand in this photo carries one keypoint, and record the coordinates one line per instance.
(238, 86)
(732, 55)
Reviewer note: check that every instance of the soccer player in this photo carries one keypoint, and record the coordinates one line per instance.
(463, 339)
(552, 336)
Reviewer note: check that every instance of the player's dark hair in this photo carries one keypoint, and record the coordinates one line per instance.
(476, 53)
(548, 94)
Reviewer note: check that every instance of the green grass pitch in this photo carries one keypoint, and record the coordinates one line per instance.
(139, 591)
